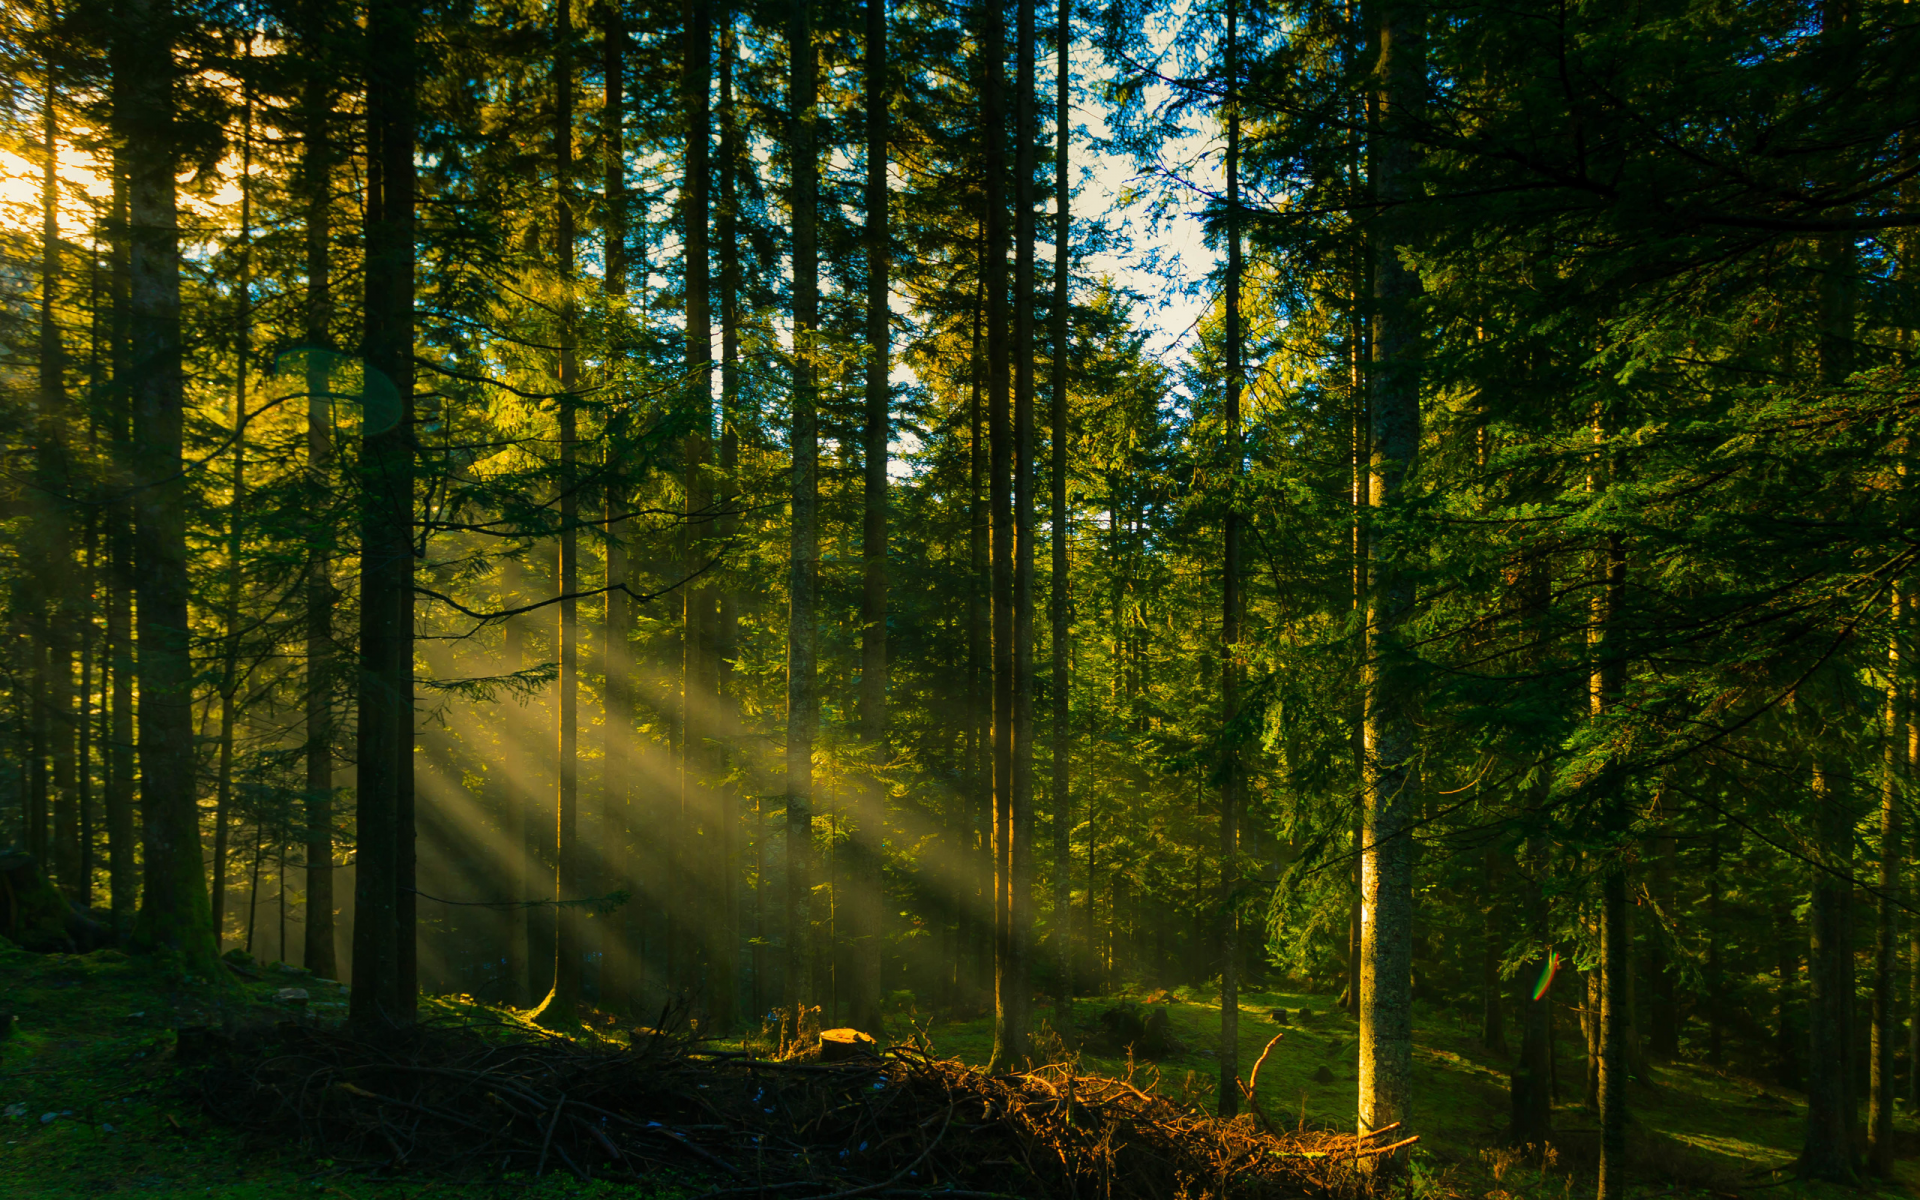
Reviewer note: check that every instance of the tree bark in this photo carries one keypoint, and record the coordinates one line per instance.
(57, 599)
(804, 547)
(694, 869)
(561, 1007)
(1386, 889)
(317, 171)
(1827, 1152)
(866, 848)
(1615, 1018)
(383, 808)
(174, 913)
(618, 977)
(1880, 1135)
(1061, 595)
(726, 640)
(1230, 798)
(122, 820)
(1008, 1032)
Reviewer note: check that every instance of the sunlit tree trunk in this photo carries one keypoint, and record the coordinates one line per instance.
(317, 184)
(691, 856)
(58, 599)
(174, 913)
(1386, 880)
(522, 859)
(726, 638)
(1009, 1045)
(383, 856)
(618, 978)
(804, 547)
(561, 1007)
(865, 844)
(122, 820)
(230, 640)
(976, 919)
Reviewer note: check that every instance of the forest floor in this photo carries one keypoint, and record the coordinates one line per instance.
(94, 1103)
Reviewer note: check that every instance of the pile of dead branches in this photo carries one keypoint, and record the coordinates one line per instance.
(447, 1099)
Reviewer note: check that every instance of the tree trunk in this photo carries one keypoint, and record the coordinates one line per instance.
(562, 1005)
(1827, 1153)
(726, 640)
(230, 640)
(977, 919)
(122, 823)
(1060, 597)
(1607, 685)
(618, 977)
(693, 926)
(1880, 1135)
(1229, 1089)
(865, 846)
(522, 861)
(1019, 990)
(173, 913)
(57, 600)
(319, 950)
(1008, 1043)
(804, 549)
(383, 858)
(1386, 890)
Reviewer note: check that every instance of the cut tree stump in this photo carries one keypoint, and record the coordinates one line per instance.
(844, 1045)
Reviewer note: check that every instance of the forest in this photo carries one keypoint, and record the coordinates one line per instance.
(820, 515)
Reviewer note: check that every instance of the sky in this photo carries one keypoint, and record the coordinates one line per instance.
(1161, 259)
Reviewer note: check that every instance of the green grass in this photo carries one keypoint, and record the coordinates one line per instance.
(93, 1047)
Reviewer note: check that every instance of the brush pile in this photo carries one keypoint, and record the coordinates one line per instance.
(904, 1123)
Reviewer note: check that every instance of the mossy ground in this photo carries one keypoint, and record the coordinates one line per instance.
(93, 1047)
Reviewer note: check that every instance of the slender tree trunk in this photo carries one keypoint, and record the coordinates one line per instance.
(1615, 1016)
(619, 979)
(522, 858)
(122, 825)
(1008, 1033)
(1060, 596)
(384, 857)
(865, 845)
(317, 169)
(804, 551)
(978, 918)
(230, 640)
(1831, 1109)
(1230, 800)
(58, 599)
(1880, 1135)
(561, 1007)
(1386, 889)
(173, 913)
(1827, 1153)
(726, 649)
(1715, 974)
(1020, 900)
(692, 924)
